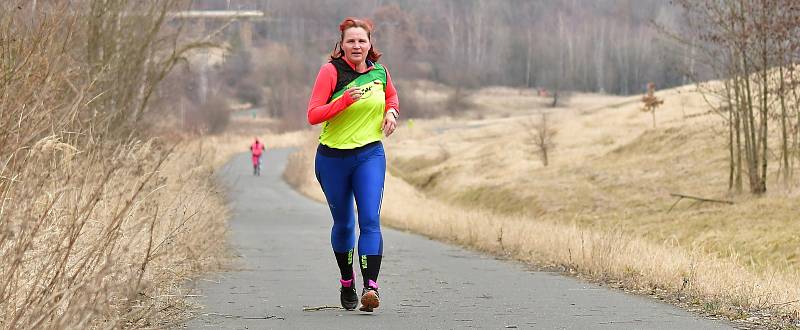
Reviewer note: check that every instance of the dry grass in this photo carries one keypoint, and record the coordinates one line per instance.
(299, 171)
(600, 208)
(100, 224)
(105, 236)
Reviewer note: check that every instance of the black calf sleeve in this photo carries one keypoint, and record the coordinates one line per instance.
(345, 262)
(370, 266)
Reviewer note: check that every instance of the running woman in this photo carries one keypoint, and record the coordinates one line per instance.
(357, 104)
(256, 150)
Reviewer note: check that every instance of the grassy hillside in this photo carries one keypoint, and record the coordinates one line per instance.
(599, 211)
(610, 169)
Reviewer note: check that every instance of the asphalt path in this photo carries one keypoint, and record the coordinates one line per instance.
(285, 266)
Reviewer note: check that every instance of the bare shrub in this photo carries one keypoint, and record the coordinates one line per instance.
(287, 102)
(242, 78)
(542, 135)
(287, 87)
(237, 66)
(409, 105)
(458, 101)
(248, 90)
(211, 117)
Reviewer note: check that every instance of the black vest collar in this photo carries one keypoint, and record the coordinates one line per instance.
(345, 74)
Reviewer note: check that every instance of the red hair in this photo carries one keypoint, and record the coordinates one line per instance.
(373, 55)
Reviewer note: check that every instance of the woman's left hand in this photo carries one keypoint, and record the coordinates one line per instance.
(389, 123)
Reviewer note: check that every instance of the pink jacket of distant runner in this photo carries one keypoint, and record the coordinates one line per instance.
(257, 148)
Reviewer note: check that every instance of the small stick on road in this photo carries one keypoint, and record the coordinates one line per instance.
(231, 316)
(319, 308)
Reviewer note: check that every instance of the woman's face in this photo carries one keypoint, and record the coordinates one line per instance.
(356, 45)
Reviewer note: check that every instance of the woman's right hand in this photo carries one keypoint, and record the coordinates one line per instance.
(354, 93)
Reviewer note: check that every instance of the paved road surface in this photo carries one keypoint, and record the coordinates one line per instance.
(286, 264)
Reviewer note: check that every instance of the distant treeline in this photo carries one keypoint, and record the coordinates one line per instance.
(596, 46)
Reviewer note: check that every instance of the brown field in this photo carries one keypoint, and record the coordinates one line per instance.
(600, 210)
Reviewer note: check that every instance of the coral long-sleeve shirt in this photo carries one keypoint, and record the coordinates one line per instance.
(319, 110)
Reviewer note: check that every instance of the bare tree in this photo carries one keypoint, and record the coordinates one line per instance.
(542, 134)
(749, 44)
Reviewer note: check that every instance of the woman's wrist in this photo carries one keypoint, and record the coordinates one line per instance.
(394, 113)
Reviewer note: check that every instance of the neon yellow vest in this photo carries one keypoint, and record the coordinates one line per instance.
(360, 123)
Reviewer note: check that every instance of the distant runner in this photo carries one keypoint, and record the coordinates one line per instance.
(355, 99)
(257, 149)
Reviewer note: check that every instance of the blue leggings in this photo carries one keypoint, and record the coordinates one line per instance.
(343, 175)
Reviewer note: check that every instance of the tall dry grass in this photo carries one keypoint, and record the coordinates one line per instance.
(99, 223)
(299, 172)
(107, 237)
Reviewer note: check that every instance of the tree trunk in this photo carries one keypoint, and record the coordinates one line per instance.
(653, 112)
(731, 155)
(796, 136)
(738, 129)
(762, 184)
(787, 170)
(751, 142)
